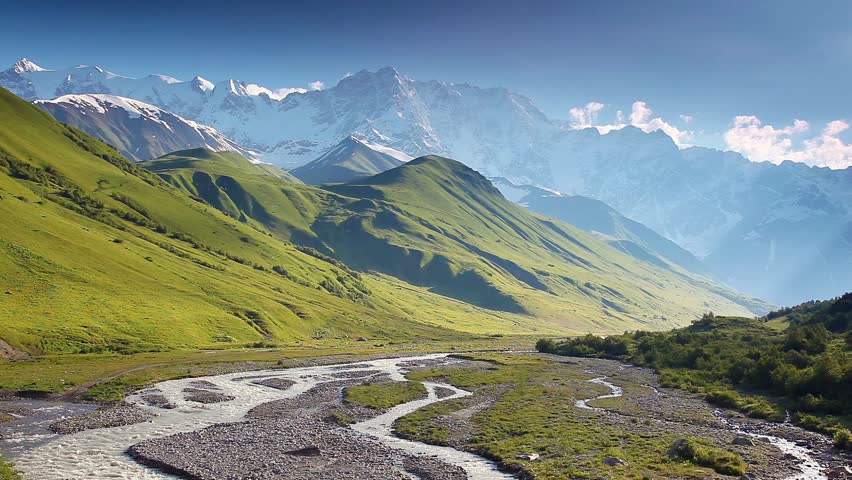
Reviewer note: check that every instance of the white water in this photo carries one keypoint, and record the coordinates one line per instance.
(810, 468)
(616, 391)
(100, 453)
(381, 428)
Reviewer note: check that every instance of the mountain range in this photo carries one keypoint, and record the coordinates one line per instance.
(780, 232)
(212, 247)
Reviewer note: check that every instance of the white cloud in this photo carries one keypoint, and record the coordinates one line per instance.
(318, 85)
(641, 116)
(277, 94)
(585, 115)
(759, 142)
(686, 118)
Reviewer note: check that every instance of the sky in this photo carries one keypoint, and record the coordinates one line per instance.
(770, 78)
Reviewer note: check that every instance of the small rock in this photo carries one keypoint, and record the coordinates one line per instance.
(839, 473)
(613, 461)
(361, 339)
(528, 456)
(305, 452)
(743, 440)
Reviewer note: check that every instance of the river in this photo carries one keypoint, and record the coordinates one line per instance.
(100, 453)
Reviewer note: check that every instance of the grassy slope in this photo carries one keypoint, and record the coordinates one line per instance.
(72, 283)
(435, 223)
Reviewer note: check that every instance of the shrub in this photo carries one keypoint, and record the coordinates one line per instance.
(721, 461)
(842, 438)
(545, 345)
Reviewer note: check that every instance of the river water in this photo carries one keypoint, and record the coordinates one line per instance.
(100, 453)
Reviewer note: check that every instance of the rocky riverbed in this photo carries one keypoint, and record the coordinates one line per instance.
(294, 423)
(287, 423)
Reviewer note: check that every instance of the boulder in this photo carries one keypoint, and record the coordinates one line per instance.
(839, 473)
(528, 456)
(743, 440)
(613, 461)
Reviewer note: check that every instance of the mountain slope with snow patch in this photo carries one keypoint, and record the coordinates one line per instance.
(140, 131)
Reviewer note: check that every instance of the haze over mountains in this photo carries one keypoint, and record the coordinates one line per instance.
(780, 232)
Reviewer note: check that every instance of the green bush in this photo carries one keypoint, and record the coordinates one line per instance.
(720, 460)
(546, 345)
(842, 438)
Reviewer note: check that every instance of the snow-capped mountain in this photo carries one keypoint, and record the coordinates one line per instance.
(349, 160)
(140, 131)
(491, 129)
(741, 217)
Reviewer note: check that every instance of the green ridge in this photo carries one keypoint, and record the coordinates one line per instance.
(435, 223)
(97, 254)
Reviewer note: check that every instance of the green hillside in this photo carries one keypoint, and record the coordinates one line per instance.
(349, 160)
(804, 367)
(97, 254)
(435, 223)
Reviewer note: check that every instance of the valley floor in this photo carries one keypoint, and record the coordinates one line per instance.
(531, 414)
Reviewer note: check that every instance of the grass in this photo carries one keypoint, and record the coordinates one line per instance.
(92, 373)
(721, 461)
(7, 471)
(384, 395)
(533, 411)
(748, 364)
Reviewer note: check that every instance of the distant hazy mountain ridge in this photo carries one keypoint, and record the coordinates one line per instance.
(597, 217)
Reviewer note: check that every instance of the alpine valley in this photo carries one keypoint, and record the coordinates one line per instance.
(384, 279)
(778, 232)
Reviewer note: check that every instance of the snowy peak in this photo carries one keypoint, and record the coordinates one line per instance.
(25, 65)
(140, 131)
(202, 84)
(401, 156)
(349, 160)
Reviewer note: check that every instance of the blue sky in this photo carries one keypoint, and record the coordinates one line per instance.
(777, 60)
